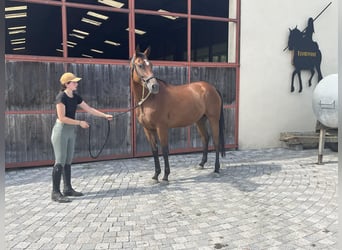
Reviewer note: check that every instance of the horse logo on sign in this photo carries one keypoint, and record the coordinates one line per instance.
(305, 53)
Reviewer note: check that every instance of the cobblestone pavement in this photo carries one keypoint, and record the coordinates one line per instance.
(263, 199)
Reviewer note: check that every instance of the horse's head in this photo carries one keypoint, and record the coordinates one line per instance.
(294, 38)
(142, 70)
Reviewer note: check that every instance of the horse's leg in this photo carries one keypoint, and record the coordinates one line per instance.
(163, 138)
(157, 169)
(202, 129)
(215, 129)
(292, 80)
(300, 81)
(312, 74)
(318, 65)
(318, 68)
(151, 137)
(165, 150)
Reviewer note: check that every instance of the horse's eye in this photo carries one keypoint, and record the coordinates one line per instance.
(140, 66)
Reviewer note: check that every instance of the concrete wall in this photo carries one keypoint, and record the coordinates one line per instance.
(267, 107)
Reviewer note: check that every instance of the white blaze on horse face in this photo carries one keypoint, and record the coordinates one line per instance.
(148, 64)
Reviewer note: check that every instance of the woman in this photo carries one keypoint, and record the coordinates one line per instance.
(64, 135)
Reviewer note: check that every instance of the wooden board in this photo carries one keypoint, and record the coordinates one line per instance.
(306, 139)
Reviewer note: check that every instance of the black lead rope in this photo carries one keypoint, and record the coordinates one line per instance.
(107, 136)
(108, 132)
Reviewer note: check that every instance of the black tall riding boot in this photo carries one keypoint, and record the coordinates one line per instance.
(68, 190)
(56, 194)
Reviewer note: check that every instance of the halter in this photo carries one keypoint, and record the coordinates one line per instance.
(143, 82)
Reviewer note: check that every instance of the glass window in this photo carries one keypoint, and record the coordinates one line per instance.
(216, 8)
(232, 42)
(233, 8)
(167, 37)
(209, 41)
(177, 6)
(97, 34)
(106, 3)
(102, 31)
(32, 29)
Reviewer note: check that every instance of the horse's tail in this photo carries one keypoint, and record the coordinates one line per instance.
(221, 127)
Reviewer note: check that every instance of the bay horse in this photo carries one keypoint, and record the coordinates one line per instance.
(162, 106)
(306, 56)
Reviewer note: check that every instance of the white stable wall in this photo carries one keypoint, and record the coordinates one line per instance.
(267, 107)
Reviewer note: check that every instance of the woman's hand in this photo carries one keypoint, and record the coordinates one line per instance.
(108, 117)
(84, 124)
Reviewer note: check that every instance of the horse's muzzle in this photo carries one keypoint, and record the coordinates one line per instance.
(152, 85)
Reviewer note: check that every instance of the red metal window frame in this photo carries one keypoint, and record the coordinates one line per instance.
(131, 11)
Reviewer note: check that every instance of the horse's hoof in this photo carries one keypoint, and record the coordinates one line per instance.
(164, 182)
(216, 175)
(154, 181)
(199, 167)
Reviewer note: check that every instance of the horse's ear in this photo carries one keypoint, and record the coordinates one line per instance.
(147, 51)
(137, 49)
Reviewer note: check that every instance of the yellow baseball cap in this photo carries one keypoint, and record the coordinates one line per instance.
(69, 77)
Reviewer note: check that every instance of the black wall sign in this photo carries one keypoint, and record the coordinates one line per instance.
(305, 53)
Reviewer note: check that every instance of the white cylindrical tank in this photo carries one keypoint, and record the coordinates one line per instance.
(325, 101)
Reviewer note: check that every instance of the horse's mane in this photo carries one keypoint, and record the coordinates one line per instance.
(162, 81)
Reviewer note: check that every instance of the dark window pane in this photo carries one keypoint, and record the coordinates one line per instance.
(217, 8)
(105, 3)
(167, 38)
(179, 6)
(108, 39)
(37, 32)
(209, 41)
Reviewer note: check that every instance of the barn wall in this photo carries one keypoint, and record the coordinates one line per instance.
(267, 107)
(31, 88)
(30, 110)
